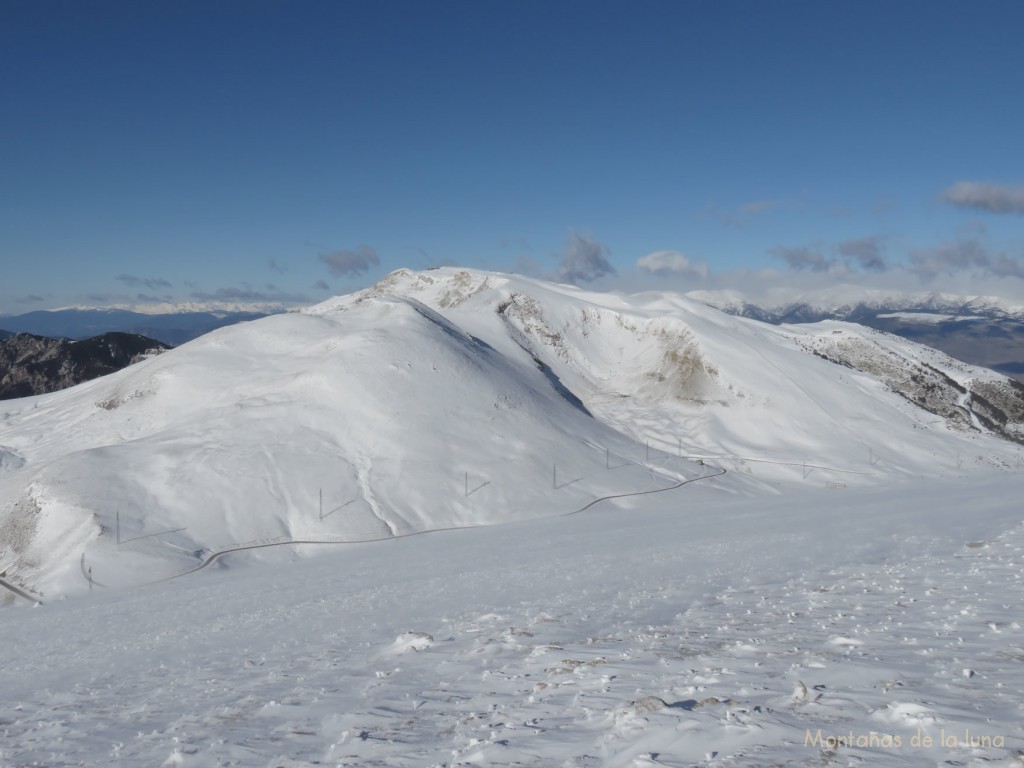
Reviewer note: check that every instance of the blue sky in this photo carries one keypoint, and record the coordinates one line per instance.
(289, 151)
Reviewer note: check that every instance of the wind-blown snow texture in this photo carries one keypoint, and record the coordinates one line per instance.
(685, 630)
(853, 581)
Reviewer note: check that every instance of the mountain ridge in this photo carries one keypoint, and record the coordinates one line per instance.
(845, 301)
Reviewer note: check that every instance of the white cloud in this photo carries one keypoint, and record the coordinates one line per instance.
(671, 262)
(963, 256)
(866, 252)
(986, 196)
(583, 260)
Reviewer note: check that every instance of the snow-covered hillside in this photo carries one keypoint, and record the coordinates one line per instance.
(453, 398)
(659, 535)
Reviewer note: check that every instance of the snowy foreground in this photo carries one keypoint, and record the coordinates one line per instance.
(850, 626)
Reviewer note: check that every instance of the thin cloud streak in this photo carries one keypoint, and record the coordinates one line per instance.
(145, 298)
(739, 217)
(152, 283)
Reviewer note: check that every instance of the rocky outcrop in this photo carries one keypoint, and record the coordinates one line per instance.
(34, 365)
(994, 404)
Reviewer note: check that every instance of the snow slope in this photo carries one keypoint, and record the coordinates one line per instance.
(453, 398)
(685, 629)
(401, 420)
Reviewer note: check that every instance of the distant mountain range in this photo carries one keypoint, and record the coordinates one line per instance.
(172, 328)
(35, 365)
(979, 330)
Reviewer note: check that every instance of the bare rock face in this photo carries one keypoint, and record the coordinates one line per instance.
(35, 365)
(993, 405)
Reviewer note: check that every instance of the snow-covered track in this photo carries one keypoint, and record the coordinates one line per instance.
(721, 471)
(213, 557)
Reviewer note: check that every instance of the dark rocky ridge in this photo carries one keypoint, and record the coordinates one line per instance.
(35, 365)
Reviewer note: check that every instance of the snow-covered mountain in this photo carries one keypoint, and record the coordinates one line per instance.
(453, 398)
(661, 366)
